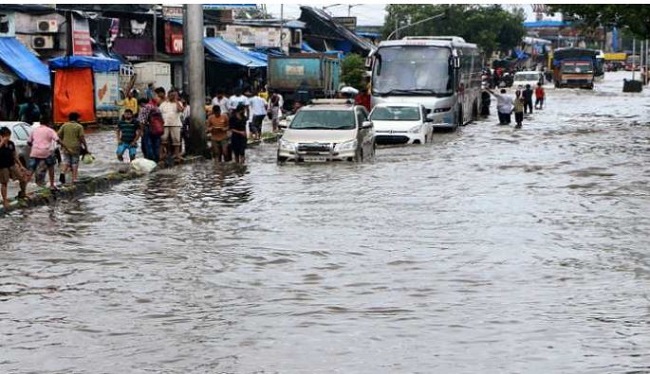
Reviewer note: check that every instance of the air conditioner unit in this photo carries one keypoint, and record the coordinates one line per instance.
(47, 25)
(210, 31)
(43, 42)
(296, 38)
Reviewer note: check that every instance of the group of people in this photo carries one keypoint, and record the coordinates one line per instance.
(44, 155)
(521, 104)
(228, 117)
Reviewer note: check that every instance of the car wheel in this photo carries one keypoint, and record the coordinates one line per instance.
(281, 159)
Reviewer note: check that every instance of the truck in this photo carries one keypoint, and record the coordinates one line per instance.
(574, 67)
(304, 76)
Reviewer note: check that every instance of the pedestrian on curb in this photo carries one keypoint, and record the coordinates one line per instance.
(71, 135)
(171, 111)
(236, 99)
(539, 96)
(239, 139)
(505, 105)
(218, 130)
(275, 109)
(519, 108)
(185, 120)
(10, 167)
(43, 141)
(128, 134)
(527, 96)
(258, 110)
(221, 100)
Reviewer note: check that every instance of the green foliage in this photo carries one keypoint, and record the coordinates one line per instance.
(353, 71)
(491, 27)
(635, 17)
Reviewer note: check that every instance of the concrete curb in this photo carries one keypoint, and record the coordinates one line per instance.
(84, 186)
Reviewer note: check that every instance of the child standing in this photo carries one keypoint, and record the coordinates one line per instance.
(10, 166)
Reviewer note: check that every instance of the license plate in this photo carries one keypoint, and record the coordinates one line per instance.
(315, 159)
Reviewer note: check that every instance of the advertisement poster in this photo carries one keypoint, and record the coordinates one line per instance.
(81, 37)
(107, 90)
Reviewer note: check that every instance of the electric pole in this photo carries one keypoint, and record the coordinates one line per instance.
(195, 62)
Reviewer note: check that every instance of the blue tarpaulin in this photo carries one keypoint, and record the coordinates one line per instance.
(228, 53)
(23, 62)
(98, 64)
(307, 48)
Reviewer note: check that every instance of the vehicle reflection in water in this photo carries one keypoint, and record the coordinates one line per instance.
(489, 250)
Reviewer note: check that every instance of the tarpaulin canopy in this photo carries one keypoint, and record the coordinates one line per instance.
(97, 64)
(23, 62)
(229, 54)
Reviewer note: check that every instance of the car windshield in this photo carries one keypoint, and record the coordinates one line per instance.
(323, 120)
(526, 77)
(395, 113)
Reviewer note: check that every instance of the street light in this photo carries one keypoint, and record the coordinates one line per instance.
(441, 15)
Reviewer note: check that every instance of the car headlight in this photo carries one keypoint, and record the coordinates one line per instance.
(350, 145)
(287, 145)
(415, 129)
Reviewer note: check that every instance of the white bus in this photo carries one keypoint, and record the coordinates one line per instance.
(443, 73)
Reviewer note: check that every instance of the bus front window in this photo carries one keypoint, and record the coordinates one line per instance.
(412, 69)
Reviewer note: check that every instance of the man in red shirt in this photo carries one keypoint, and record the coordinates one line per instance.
(363, 98)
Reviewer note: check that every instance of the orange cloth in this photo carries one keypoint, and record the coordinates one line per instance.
(74, 92)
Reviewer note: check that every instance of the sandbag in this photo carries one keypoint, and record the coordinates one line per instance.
(143, 165)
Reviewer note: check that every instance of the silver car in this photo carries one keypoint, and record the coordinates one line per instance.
(328, 132)
(20, 132)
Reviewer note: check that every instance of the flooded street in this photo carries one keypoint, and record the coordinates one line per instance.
(492, 250)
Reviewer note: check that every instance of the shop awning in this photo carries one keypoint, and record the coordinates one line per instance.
(7, 77)
(23, 62)
(98, 64)
(228, 53)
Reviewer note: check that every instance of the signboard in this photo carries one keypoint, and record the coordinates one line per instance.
(173, 39)
(172, 12)
(107, 90)
(349, 23)
(81, 37)
(294, 70)
(7, 24)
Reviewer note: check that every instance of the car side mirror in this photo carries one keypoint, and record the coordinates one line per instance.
(366, 124)
(430, 117)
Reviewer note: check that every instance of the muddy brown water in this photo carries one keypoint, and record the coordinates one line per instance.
(490, 250)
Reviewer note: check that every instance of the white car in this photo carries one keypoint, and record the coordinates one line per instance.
(401, 123)
(522, 78)
(328, 131)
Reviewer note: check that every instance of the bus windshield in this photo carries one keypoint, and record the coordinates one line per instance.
(409, 70)
(577, 67)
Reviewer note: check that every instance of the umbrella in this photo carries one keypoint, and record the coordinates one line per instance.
(349, 90)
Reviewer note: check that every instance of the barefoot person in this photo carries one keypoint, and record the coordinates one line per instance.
(43, 141)
(71, 135)
(218, 130)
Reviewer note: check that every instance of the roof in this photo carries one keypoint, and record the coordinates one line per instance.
(98, 64)
(23, 62)
(320, 24)
(228, 53)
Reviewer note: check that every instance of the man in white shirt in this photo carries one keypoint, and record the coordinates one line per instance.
(505, 105)
(258, 110)
(221, 100)
(237, 99)
(171, 110)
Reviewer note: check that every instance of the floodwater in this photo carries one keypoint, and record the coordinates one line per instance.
(492, 250)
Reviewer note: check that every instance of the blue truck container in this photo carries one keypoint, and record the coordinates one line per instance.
(304, 76)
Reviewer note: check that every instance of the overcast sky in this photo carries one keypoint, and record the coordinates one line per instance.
(367, 14)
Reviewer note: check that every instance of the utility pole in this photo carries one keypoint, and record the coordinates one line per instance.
(195, 60)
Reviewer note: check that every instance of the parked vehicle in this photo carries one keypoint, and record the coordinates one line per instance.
(303, 76)
(329, 130)
(574, 67)
(397, 123)
(522, 78)
(20, 132)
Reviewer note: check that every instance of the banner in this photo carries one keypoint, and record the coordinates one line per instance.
(81, 37)
(107, 90)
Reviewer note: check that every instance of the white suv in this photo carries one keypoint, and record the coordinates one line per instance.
(328, 131)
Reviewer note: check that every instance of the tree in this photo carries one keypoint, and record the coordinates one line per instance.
(491, 27)
(353, 71)
(635, 17)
